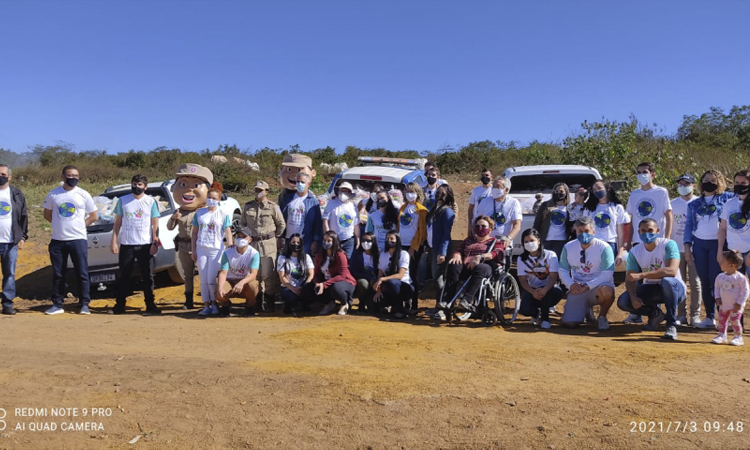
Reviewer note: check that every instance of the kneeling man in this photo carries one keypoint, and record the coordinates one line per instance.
(238, 275)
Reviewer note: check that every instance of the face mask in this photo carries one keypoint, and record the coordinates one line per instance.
(367, 245)
(559, 196)
(295, 247)
(482, 232)
(72, 182)
(411, 197)
(648, 238)
(431, 180)
(644, 178)
(486, 180)
(531, 246)
(585, 238)
(440, 198)
(327, 245)
(241, 243)
(137, 190)
(301, 187)
(343, 197)
(389, 245)
(382, 203)
(709, 187)
(211, 202)
(3, 181)
(260, 194)
(600, 194)
(497, 193)
(685, 190)
(374, 196)
(741, 189)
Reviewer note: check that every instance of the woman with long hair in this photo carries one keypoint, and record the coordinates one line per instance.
(412, 228)
(605, 207)
(537, 274)
(551, 219)
(393, 287)
(439, 226)
(296, 269)
(332, 282)
(364, 268)
(383, 219)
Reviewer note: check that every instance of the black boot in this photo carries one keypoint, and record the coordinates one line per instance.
(188, 301)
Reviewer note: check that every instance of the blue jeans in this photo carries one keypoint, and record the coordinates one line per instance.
(8, 256)
(530, 306)
(348, 247)
(429, 269)
(672, 292)
(704, 254)
(58, 255)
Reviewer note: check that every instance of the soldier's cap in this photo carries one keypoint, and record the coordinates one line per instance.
(261, 185)
(346, 185)
(296, 160)
(195, 170)
(686, 177)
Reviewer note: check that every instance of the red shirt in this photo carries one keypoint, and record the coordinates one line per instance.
(338, 268)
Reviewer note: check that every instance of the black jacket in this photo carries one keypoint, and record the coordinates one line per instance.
(20, 216)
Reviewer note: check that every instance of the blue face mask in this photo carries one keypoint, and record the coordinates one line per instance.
(585, 238)
(648, 238)
(301, 187)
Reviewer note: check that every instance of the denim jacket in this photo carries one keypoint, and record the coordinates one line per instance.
(692, 213)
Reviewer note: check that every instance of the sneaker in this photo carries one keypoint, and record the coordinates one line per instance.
(54, 310)
(8, 310)
(707, 323)
(653, 322)
(546, 325)
(85, 310)
(553, 311)
(344, 309)
(214, 310)
(463, 317)
(603, 323)
(440, 315)
(153, 311)
(720, 339)
(535, 321)
(399, 315)
(737, 341)
(116, 310)
(633, 318)
(681, 320)
(590, 316)
(328, 309)
(431, 312)
(671, 333)
(442, 305)
(205, 311)
(695, 320)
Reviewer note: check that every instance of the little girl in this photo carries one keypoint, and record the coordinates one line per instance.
(210, 227)
(731, 291)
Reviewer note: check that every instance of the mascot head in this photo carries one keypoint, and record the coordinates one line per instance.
(191, 186)
(291, 166)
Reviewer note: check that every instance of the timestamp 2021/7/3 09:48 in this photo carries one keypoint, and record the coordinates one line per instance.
(688, 426)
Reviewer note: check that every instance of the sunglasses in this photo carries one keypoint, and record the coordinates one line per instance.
(583, 256)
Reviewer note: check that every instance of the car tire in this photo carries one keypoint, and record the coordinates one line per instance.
(236, 223)
(175, 275)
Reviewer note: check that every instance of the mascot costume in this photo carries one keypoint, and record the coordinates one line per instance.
(190, 191)
(290, 167)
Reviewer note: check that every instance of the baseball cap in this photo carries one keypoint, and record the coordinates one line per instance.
(296, 160)
(195, 170)
(261, 185)
(346, 185)
(686, 177)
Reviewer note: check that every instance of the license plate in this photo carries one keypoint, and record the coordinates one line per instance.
(103, 277)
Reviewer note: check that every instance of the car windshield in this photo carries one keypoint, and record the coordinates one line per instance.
(533, 184)
(105, 204)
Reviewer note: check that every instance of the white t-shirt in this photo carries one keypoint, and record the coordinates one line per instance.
(324, 268)
(211, 227)
(641, 259)
(239, 265)
(558, 220)
(679, 219)
(403, 262)
(738, 226)
(478, 194)
(136, 216)
(594, 267)
(606, 219)
(575, 211)
(537, 270)
(69, 211)
(706, 219)
(375, 225)
(408, 223)
(6, 216)
(651, 204)
(295, 216)
(297, 273)
(503, 213)
(342, 217)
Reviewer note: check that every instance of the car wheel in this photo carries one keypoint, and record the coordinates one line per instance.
(175, 275)
(236, 223)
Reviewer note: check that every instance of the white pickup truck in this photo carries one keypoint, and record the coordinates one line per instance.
(104, 266)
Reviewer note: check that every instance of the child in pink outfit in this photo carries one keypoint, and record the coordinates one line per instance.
(731, 291)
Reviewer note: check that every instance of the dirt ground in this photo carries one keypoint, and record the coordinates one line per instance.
(355, 382)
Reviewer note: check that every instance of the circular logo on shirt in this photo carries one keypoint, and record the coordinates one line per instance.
(738, 221)
(406, 220)
(297, 273)
(345, 221)
(557, 218)
(602, 220)
(5, 209)
(646, 208)
(727, 285)
(499, 219)
(67, 210)
(706, 210)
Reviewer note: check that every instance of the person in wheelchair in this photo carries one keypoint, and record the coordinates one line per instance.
(537, 275)
(476, 257)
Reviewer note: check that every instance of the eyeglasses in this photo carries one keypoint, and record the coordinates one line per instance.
(583, 256)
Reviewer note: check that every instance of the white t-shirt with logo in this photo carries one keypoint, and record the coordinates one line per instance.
(738, 226)
(295, 211)
(679, 220)
(558, 220)
(706, 219)
(136, 216)
(537, 270)
(607, 216)
(296, 272)
(408, 223)
(69, 211)
(342, 217)
(239, 265)
(375, 225)
(6, 216)
(642, 260)
(478, 194)
(403, 262)
(503, 213)
(651, 204)
(594, 267)
(211, 225)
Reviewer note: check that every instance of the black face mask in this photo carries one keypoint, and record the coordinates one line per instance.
(389, 245)
(486, 180)
(559, 196)
(709, 187)
(72, 182)
(382, 203)
(295, 247)
(3, 181)
(431, 180)
(741, 189)
(440, 198)
(137, 190)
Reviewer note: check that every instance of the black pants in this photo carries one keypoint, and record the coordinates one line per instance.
(128, 256)
(396, 294)
(340, 292)
(458, 272)
(58, 254)
(414, 275)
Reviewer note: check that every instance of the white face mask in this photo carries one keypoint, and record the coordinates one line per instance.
(644, 178)
(343, 197)
(531, 246)
(685, 190)
(241, 243)
(374, 196)
(497, 192)
(411, 197)
(211, 202)
(260, 194)
(367, 245)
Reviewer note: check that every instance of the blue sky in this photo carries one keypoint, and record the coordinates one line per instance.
(408, 74)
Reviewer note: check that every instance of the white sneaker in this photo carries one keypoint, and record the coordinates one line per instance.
(205, 311)
(214, 310)
(440, 315)
(463, 317)
(603, 323)
(720, 339)
(535, 321)
(344, 309)
(737, 341)
(633, 318)
(695, 320)
(707, 323)
(681, 320)
(328, 309)
(54, 310)
(553, 311)
(546, 325)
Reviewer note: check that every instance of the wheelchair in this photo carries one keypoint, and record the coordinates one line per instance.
(497, 299)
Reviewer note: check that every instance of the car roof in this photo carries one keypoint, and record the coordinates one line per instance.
(123, 187)
(558, 168)
(389, 174)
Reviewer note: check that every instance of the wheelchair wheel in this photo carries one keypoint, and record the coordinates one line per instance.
(507, 298)
(489, 318)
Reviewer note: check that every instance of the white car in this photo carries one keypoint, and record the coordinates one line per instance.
(104, 266)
